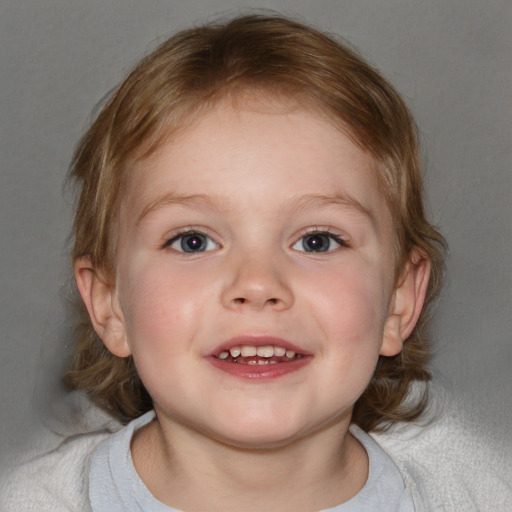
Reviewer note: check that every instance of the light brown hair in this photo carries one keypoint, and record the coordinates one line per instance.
(190, 72)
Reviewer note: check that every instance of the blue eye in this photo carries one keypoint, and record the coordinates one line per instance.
(192, 243)
(318, 242)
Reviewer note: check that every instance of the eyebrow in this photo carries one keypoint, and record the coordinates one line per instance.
(295, 203)
(187, 201)
(342, 199)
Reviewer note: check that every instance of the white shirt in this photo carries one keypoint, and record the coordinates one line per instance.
(451, 462)
(115, 486)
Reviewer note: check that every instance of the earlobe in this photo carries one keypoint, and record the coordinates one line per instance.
(99, 297)
(406, 304)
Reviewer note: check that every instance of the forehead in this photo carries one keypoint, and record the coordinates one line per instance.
(254, 147)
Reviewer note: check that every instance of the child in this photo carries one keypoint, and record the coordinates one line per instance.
(251, 247)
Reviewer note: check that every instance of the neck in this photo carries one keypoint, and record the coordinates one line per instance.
(191, 471)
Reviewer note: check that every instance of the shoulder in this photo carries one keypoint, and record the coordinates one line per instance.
(114, 483)
(56, 481)
(385, 489)
(455, 461)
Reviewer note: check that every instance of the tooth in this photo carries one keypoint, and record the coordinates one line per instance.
(263, 361)
(252, 361)
(248, 351)
(290, 354)
(235, 351)
(266, 351)
(279, 351)
(223, 355)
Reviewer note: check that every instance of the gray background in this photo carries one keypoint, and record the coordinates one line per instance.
(450, 59)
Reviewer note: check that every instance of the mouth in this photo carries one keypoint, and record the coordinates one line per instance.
(259, 357)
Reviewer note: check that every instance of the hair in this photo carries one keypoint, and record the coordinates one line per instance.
(274, 57)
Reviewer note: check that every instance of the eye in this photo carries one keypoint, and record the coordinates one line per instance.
(191, 242)
(319, 241)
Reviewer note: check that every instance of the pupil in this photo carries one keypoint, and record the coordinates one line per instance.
(193, 243)
(316, 243)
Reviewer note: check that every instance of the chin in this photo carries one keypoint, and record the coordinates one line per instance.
(257, 433)
(258, 440)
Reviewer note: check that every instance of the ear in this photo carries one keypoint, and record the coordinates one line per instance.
(101, 301)
(406, 304)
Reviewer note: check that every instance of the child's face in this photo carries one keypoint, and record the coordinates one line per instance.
(255, 227)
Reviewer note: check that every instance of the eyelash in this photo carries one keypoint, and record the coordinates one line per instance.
(184, 233)
(324, 232)
(208, 239)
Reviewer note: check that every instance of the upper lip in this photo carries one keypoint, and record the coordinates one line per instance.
(256, 340)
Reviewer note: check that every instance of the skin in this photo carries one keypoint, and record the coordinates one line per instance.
(256, 180)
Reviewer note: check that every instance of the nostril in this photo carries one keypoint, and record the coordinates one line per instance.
(239, 301)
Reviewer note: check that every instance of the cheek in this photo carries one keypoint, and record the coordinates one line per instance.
(156, 307)
(351, 303)
(157, 311)
(351, 309)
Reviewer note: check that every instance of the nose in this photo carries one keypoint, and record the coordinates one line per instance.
(257, 283)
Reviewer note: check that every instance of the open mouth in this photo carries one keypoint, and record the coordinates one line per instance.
(261, 355)
(259, 358)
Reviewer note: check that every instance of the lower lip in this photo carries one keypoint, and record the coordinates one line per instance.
(260, 372)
